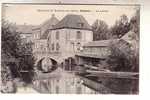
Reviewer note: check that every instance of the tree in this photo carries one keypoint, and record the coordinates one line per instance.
(135, 27)
(100, 30)
(122, 57)
(135, 22)
(27, 61)
(121, 27)
(13, 48)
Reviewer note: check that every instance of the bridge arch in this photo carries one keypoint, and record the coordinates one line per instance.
(46, 64)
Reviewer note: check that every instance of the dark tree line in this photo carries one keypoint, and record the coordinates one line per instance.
(101, 31)
(17, 58)
(124, 55)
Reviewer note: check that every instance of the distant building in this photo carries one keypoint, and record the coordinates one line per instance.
(39, 36)
(25, 32)
(94, 53)
(67, 37)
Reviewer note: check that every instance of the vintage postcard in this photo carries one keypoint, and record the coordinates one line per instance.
(70, 48)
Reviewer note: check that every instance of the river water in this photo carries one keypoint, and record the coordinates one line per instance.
(62, 82)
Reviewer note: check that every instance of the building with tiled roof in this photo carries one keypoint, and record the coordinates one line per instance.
(63, 38)
(96, 52)
(72, 21)
(69, 34)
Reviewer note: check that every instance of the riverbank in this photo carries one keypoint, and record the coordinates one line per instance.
(27, 89)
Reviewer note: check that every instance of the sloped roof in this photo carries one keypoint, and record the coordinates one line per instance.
(73, 21)
(90, 55)
(36, 27)
(133, 40)
(24, 28)
(130, 36)
(48, 24)
(100, 43)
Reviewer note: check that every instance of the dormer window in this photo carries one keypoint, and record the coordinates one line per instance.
(80, 24)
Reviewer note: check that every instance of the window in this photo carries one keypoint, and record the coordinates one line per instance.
(79, 35)
(53, 46)
(81, 24)
(57, 35)
(49, 37)
(57, 46)
(37, 36)
(41, 47)
(78, 46)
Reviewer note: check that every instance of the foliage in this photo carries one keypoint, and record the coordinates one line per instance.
(13, 47)
(121, 27)
(135, 22)
(121, 86)
(100, 30)
(26, 62)
(10, 40)
(122, 57)
(125, 56)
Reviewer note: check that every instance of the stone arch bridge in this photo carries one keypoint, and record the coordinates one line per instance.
(59, 58)
(55, 56)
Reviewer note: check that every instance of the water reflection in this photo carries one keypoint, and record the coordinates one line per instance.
(66, 83)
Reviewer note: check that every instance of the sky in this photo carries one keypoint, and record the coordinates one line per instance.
(37, 14)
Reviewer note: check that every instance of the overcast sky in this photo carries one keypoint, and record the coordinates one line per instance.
(36, 14)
